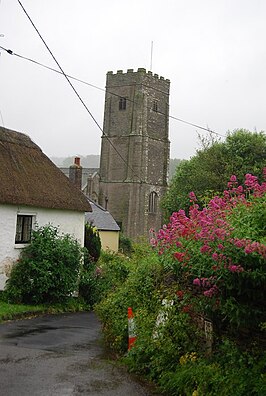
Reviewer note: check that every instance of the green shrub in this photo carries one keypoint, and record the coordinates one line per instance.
(125, 244)
(92, 242)
(113, 270)
(230, 372)
(47, 270)
(126, 283)
(88, 281)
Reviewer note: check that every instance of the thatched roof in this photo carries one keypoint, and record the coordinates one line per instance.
(29, 177)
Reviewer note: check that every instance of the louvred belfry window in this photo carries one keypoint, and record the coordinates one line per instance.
(153, 197)
(122, 104)
(155, 106)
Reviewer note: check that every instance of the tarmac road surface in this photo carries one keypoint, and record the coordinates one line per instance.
(60, 355)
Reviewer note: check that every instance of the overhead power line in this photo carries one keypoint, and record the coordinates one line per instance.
(76, 92)
(104, 90)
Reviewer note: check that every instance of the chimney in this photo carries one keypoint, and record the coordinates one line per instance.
(75, 173)
(77, 161)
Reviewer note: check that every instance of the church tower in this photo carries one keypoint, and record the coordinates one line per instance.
(135, 149)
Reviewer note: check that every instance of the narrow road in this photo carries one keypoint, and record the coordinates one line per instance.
(59, 355)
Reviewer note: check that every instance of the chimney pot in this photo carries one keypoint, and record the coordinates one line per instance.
(77, 161)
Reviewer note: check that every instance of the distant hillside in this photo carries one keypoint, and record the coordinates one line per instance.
(172, 166)
(88, 161)
(93, 161)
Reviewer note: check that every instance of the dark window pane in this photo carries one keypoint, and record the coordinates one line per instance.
(23, 230)
(153, 202)
(122, 104)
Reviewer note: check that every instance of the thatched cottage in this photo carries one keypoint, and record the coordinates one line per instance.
(33, 191)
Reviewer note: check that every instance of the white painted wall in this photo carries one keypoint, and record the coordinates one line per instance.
(68, 221)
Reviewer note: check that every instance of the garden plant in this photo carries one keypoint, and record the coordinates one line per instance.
(47, 270)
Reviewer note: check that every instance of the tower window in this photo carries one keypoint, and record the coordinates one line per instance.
(155, 105)
(153, 198)
(122, 104)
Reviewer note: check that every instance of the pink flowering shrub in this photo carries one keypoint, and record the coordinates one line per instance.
(218, 254)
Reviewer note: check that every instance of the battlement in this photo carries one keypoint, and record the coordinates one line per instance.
(140, 71)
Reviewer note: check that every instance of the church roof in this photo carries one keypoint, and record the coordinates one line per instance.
(28, 177)
(101, 218)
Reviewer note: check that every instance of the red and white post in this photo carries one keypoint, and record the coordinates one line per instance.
(131, 328)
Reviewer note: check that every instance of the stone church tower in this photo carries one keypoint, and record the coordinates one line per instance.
(135, 149)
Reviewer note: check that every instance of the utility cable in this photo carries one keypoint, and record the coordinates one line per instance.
(2, 119)
(76, 92)
(104, 90)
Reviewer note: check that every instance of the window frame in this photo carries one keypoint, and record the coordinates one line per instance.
(23, 231)
(155, 106)
(153, 202)
(122, 103)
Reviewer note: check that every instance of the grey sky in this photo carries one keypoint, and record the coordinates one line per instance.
(213, 51)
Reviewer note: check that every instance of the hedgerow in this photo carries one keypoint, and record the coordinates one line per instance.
(207, 267)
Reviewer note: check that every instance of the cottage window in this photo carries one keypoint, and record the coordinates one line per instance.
(122, 104)
(153, 198)
(23, 229)
(155, 106)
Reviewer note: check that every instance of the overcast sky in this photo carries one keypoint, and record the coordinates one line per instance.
(213, 52)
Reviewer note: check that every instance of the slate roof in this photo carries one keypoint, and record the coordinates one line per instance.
(29, 177)
(101, 218)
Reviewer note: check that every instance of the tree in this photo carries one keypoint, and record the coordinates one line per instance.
(88, 283)
(207, 173)
(92, 242)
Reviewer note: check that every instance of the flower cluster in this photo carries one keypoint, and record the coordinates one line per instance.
(203, 247)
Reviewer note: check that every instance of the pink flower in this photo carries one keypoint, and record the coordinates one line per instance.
(233, 178)
(248, 249)
(205, 248)
(211, 292)
(153, 242)
(238, 242)
(196, 282)
(192, 196)
(235, 268)
(179, 256)
(215, 256)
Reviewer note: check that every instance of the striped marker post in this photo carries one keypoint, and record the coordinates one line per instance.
(131, 328)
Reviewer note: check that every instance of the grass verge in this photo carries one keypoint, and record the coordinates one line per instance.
(17, 311)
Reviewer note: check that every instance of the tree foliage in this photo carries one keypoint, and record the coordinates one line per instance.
(92, 242)
(88, 283)
(208, 171)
